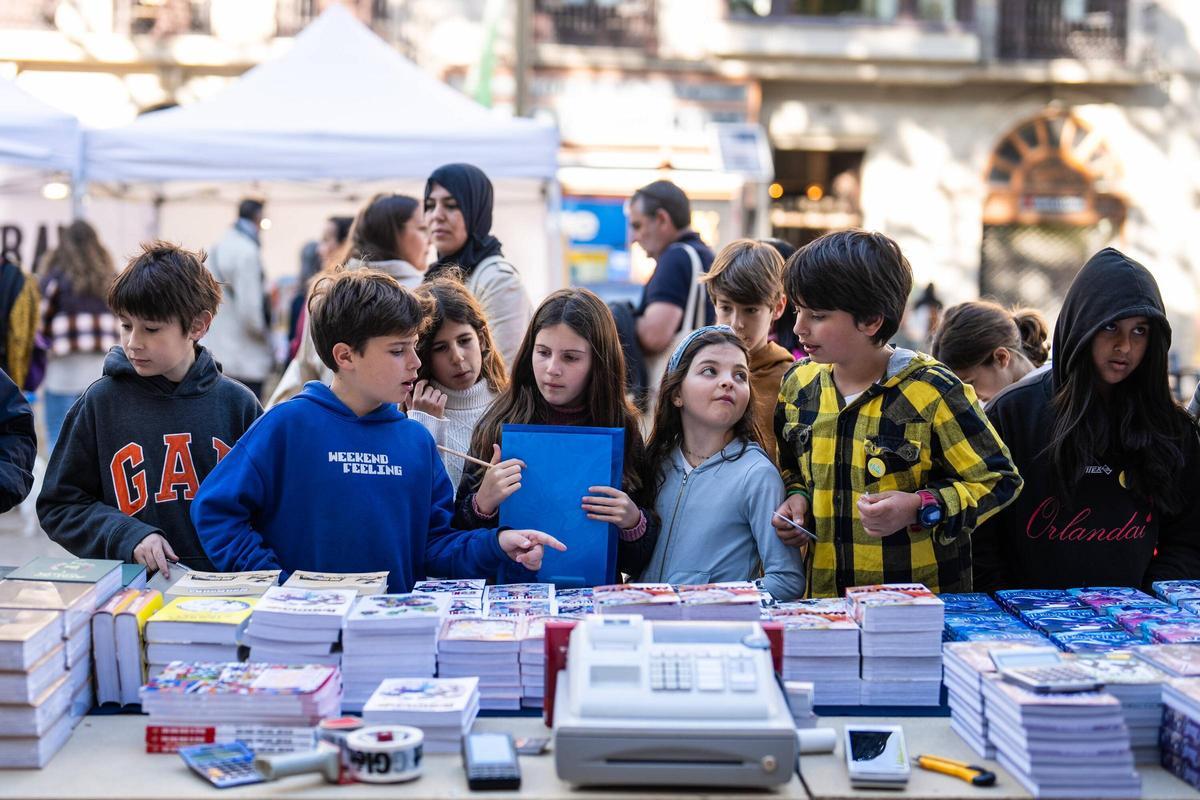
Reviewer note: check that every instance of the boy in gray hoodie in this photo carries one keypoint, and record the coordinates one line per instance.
(135, 447)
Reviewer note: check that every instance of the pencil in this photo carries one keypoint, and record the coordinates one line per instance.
(465, 457)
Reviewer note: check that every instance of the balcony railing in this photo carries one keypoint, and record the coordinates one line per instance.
(856, 11)
(596, 23)
(1087, 30)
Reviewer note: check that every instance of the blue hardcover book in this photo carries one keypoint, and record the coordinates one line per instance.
(1084, 641)
(977, 634)
(1021, 599)
(1065, 622)
(1174, 591)
(1143, 606)
(969, 603)
(958, 624)
(561, 462)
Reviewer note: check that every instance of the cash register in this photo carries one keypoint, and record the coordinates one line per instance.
(645, 703)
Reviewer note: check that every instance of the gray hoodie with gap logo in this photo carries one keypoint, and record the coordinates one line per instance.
(716, 523)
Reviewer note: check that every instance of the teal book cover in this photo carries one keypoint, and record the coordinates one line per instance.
(68, 570)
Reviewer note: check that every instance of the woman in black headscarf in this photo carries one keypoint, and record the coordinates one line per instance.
(458, 213)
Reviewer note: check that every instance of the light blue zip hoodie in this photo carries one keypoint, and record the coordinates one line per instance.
(716, 523)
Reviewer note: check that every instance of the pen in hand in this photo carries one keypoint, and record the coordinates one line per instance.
(797, 526)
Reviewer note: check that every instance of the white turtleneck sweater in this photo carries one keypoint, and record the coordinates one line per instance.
(463, 410)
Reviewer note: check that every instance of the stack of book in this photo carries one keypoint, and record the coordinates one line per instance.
(820, 645)
(129, 632)
(732, 600)
(1177, 660)
(1101, 597)
(1180, 738)
(365, 583)
(41, 699)
(74, 600)
(966, 665)
(519, 600)
(195, 583)
(298, 626)
(901, 643)
(463, 597)
(197, 629)
(389, 636)
(1061, 745)
(488, 648)
(976, 617)
(651, 600)
(104, 646)
(1138, 687)
(533, 662)
(443, 708)
(270, 707)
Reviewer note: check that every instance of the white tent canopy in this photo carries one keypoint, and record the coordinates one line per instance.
(340, 104)
(34, 134)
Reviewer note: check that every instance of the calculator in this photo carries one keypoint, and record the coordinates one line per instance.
(222, 765)
(1044, 680)
(1043, 670)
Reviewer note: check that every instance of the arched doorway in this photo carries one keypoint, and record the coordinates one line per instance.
(1050, 206)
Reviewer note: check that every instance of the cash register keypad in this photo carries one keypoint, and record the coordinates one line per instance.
(703, 671)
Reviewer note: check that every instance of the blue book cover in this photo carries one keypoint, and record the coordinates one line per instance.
(969, 603)
(1064, 622)
(977, 634)
(1174, 591)
(1021, 599)
(1083, 641)
(561, 462)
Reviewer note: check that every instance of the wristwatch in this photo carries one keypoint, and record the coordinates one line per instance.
(930, 513)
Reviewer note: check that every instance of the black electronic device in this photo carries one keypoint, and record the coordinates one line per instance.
(490, 760)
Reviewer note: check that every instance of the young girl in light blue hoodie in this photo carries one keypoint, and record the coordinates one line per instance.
(716, 488)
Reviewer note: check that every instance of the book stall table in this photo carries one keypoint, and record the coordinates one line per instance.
(104, 760)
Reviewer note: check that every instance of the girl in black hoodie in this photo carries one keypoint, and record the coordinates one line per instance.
(1110, 460)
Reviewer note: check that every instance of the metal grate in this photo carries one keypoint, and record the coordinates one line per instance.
(1088, 30)
(1033, 265)
(596, 23)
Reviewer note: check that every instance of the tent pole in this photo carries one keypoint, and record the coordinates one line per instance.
(554, 243)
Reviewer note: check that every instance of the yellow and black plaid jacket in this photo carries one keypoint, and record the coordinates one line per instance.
(929, 432)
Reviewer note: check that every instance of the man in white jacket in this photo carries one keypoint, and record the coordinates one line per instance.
(240, 336)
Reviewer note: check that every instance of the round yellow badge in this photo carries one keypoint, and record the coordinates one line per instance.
(1121, 479)
(876, 467)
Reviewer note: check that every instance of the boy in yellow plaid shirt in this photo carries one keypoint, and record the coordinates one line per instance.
(886, 455)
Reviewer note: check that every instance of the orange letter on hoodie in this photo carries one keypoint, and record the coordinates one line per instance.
(131, 454)
(178, 469)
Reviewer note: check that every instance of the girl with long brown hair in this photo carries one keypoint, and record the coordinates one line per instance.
(75, 319)
(569, 370)
(715, 487)
(461, 370)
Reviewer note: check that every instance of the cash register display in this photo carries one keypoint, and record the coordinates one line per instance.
(489, 750)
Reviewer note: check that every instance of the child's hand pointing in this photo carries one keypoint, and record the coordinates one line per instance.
(526, 547)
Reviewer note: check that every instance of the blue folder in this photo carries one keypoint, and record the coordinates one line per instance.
(561, 462)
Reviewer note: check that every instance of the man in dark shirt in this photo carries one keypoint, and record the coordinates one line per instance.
(660, 219)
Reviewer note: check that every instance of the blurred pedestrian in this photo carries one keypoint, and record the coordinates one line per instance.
(76, 322)
(238, 337)
(458, 211)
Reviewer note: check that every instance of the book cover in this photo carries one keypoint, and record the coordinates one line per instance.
(423, 695)
(405, 606)
(67, 570)
(1019, 599)
(969, 603)
(577, 593)
(242, 679)
(47, 595)
(812, 619)
(133, 576)
(892, 594)
(817, 604)
(983, 634)
(464, 606)
(574, 607)
(20, 625)
(1176, 633)
(361, 582)
(228, 584)
(209, 610)
(1119, 667)
(1174, 591)
(520, 608)
(470, 587)
(730, 593)
(1074, 642)
(621, 594)
(481, 629)
(307, 602)
(520, 591)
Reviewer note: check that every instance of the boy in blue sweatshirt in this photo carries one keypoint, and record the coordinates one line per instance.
(337, 479)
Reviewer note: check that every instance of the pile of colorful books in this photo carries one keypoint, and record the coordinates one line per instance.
(901, 643)
(443, 708)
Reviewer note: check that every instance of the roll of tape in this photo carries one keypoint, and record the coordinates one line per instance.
(385, 753)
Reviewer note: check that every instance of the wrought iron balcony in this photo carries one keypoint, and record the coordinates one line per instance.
(1086, 30)
(596, 23)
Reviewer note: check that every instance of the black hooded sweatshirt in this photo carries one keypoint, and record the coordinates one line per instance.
(132, 453)
(1096, 533)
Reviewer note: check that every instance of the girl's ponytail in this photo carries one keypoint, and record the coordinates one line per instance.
(1034, 332)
